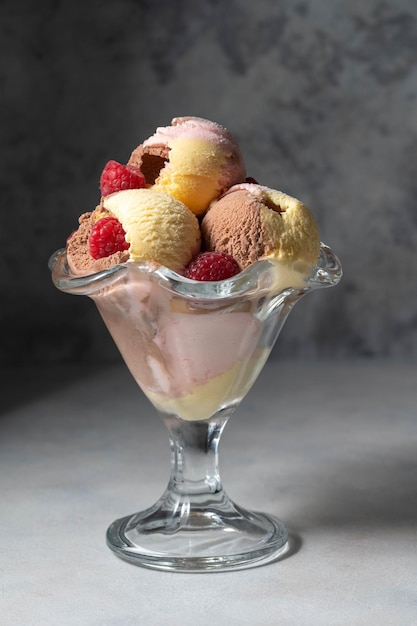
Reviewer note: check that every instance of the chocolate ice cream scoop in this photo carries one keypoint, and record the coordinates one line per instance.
(251, 222)
(79, 258)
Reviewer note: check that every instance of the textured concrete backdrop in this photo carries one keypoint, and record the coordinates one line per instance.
(320, 94)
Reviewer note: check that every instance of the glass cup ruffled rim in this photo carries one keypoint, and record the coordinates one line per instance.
(260, 275)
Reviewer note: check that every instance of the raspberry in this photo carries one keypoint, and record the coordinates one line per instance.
(208, 266)
(116, 177)
(107, 237)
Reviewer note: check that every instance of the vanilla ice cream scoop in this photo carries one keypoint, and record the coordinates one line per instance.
(251, 222)
(158, 227)
(193, 160)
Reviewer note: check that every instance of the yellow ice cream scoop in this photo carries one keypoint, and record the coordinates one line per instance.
(194, 160)
(251, 222)
(158, 227)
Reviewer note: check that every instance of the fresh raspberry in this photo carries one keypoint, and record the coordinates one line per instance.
(116, 177)
(212, 266)
(107, 237)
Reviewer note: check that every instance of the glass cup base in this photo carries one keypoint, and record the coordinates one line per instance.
(206, 542)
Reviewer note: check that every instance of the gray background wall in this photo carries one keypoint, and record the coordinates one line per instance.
(321, 95)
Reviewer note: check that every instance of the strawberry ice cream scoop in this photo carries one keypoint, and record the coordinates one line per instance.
(193, 160)
(252, 222)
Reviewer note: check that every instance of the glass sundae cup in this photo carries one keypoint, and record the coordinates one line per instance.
(195, 349)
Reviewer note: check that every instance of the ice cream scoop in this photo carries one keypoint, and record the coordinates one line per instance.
(251, 222)
(193, 160)
(157, 228)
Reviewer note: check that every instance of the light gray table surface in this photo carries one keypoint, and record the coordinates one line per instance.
(329, 447)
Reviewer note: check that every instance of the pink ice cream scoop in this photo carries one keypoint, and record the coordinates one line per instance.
(194, 160)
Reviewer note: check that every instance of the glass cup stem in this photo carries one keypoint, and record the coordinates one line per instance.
(194, 455)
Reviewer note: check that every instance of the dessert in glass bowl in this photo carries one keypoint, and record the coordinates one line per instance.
(194, 268)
